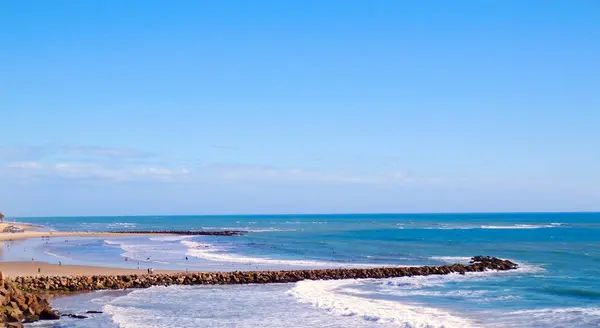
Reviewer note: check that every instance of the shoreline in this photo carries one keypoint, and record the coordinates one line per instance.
(8, 236)
(41, 280)
(123, 279)
(30, 269)
(29, 234)
(31, 231)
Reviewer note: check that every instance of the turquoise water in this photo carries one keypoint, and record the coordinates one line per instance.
(558, 284)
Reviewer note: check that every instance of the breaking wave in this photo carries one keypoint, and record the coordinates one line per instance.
(335, 297)
(214, 253)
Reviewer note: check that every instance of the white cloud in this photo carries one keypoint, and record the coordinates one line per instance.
(92, 171)
(212, 173)
(25, 165)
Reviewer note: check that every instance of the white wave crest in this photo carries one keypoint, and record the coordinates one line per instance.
(490, 226)
(549, 317)
(213, 253)
(57, 256)
(271, 230)
(523, 267)
(590, 311)
(121, 225)
(325, 295)
(452, 259)
(112, 242)
(142, 252)
(418, 282)
(522, 226)
(170, 238)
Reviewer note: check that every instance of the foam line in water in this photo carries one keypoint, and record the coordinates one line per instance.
(417, 282)
(590, 311)
(211, 252)
(452, 259)
(121, 225)
(522, 226)
(326, 295)
(270, 230)
(112, 242)
(523, 267)
(550, 317)
(139, 252)
(490, 226)
(170, 238)
(248, 229)
(57, 256)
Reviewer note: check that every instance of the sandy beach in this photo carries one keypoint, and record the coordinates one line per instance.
(16, 269)
(33, 231)
(39, 234)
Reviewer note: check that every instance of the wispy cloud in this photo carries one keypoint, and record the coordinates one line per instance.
(209, 173)
(25, 165)
(116, 164)
(85, 171)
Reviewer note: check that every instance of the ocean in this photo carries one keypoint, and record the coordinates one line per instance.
(557, 284)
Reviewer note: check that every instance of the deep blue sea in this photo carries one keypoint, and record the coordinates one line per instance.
(557, 285)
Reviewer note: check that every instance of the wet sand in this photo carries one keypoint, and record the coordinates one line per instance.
(4, 236)
(14, 269)
(22, 269)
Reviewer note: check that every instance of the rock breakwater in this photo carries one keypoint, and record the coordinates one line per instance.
(17, 306)
(101, 282)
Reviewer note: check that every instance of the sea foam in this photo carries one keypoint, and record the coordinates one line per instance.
(214, 253)
(334, 296)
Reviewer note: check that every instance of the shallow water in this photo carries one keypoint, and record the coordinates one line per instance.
(556, 286)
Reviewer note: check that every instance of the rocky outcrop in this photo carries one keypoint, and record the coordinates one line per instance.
(184, 232)
(87, 283)
(17, 306)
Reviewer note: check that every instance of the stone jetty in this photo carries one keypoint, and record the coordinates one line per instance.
(101, 282)
(21, 298)
(17, 306)
(184, 232)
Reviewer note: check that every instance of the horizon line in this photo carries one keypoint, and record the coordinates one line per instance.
(308, 214)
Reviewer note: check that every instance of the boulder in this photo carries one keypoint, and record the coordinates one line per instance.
(31, 318)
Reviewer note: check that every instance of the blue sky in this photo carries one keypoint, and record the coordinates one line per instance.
(197, 107)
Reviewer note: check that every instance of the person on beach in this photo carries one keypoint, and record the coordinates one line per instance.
(59, 263)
